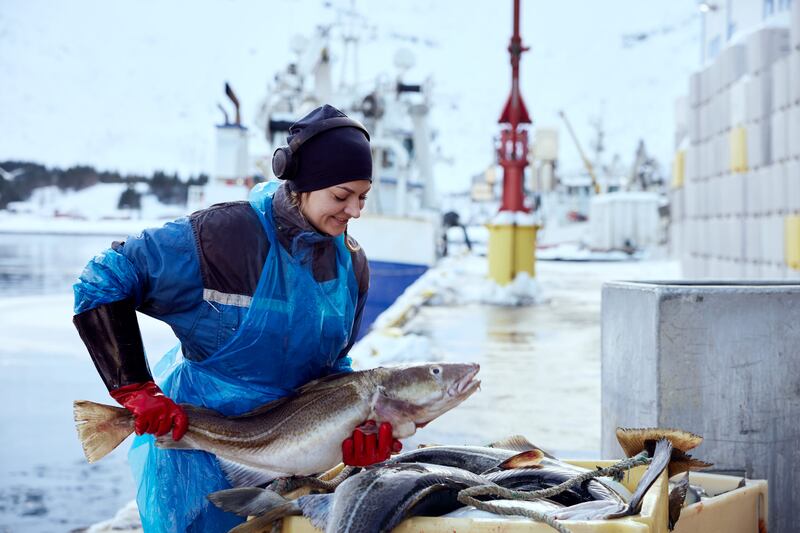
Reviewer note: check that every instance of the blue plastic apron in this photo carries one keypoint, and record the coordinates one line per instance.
(293, 333)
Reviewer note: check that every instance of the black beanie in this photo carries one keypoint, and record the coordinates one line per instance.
(329, 158)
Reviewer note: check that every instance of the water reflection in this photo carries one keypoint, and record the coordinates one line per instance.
(44, 264)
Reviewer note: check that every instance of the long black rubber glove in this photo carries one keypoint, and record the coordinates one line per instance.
(111, 334)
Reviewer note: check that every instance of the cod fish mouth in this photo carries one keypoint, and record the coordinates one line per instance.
(467, 384)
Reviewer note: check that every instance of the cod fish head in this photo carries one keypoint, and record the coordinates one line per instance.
(422, 392)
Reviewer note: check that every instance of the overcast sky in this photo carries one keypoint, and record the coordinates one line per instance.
(133, 85)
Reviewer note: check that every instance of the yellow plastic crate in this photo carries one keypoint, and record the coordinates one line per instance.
(652, 519)
(741, 511)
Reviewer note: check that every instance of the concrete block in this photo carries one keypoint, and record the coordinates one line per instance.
(793, 186)
(780, 84)
(752, 270)
(717, 359)
(693, 124)
(772, 239)
(752, 239)
(780, 190)
(794, 76)
(779, 135)
(735, 186)
(695, 89)
(793, 132)
(737, 100)
(758, 144)
(766, 45)
(758, 96)
(795, 26)
(705, 85)
(733, 60)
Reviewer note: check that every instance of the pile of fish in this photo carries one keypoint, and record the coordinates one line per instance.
(428, 481)
(290, 441)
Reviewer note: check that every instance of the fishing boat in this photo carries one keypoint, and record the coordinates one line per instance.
(400, 229)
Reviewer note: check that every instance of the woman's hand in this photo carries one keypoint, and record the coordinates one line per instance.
(153, 412)
(369, 444)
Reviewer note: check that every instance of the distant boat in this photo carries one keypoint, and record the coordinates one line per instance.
(400, 229)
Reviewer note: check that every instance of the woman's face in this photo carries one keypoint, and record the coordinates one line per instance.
(329, 210)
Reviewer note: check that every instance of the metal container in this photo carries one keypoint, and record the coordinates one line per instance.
(717, 359)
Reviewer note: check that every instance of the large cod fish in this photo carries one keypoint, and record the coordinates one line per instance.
(302, 434)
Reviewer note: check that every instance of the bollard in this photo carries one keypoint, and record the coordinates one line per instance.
(501, 253)
(719, 359)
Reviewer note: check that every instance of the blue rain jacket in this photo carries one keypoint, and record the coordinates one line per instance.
(293, 330)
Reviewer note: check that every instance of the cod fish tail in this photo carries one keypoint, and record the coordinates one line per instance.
(101, 428)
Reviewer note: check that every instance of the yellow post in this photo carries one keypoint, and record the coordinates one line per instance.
(738, 150)
(512, 249)
(791, 236)
(678, 169)
(501, 253)
(525, 249)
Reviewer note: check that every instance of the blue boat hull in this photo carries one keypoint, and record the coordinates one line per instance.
(387, 281)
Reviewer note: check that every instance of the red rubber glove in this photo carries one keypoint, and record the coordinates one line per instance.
(366, 448)
(153, 412)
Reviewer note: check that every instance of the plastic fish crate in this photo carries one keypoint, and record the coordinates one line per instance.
(652, 519)
(741, 511)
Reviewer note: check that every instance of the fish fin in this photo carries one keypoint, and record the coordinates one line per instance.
(683, 462)
(101, 428)
(529, 459)
(325, 382)
(316, 508)
(661, 457)
(240, 475)
(250, 501)
(634, 440)
(517, 443)
(677, 497)
(165, 442)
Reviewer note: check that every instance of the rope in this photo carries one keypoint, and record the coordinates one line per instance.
(467, 496)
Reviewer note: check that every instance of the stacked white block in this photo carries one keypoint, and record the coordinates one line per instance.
(793, 132)
(764, 46)
(793, 60)
(793, 187)
(780, 84)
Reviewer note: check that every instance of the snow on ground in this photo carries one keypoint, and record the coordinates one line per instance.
(540, 361)
(455, 281)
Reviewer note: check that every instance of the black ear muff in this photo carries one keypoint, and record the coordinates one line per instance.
(284, 165)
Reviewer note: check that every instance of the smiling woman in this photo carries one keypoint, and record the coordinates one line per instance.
(264, 296)
(329, 210)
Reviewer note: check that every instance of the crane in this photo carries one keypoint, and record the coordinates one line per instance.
(586, 162)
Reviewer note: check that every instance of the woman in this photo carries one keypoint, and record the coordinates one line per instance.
(264, 297)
